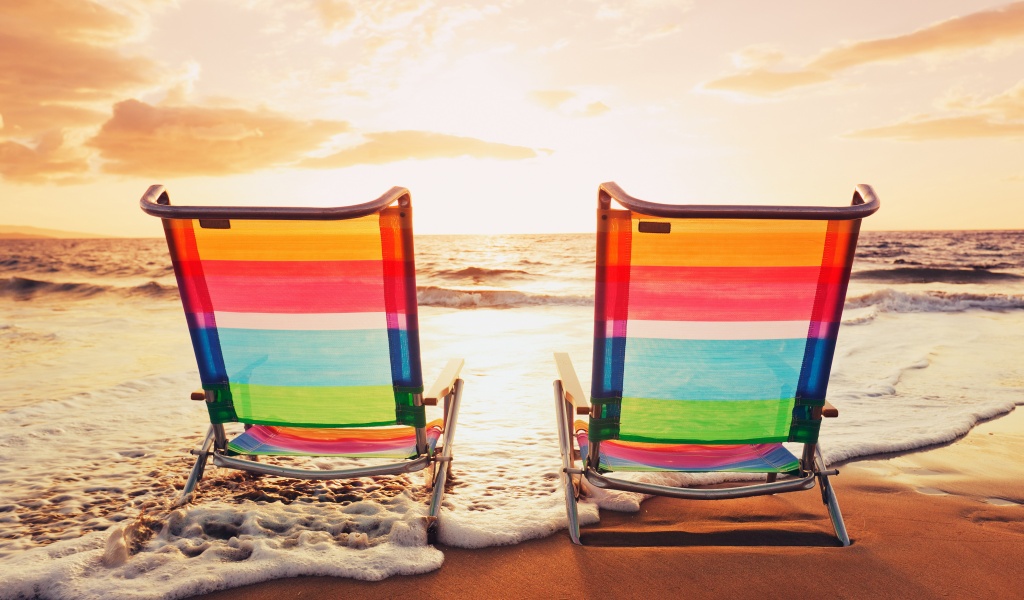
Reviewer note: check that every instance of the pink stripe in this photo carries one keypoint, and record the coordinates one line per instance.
(681, 456)
(722, 293)
(293, 287)
(291, 295)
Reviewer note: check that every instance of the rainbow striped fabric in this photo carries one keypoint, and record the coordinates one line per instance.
(302, 323)
(364, 442)
(714, 332)
(618, 455)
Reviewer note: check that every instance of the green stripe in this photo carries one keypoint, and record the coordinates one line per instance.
(312, 406)
(219, 403)
(406, 411)
(805, 430)
(705, 421)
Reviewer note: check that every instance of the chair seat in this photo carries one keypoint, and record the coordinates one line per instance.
(366, 442)
(619, 455)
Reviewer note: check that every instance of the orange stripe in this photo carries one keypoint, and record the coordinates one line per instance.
(353, 239)
(730, 243)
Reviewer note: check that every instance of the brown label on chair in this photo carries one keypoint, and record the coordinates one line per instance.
(654, 227)
(215, 223)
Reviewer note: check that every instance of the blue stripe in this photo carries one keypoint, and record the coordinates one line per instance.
(404, 371)
(206, 345)
(306, 358)
(712, 369)
(606, 381)
(817, 364)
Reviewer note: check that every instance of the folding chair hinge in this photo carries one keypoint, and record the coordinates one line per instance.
(830, 472)
(442, 459)
(573, 471)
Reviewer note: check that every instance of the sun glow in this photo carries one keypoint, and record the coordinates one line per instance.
(505, 118)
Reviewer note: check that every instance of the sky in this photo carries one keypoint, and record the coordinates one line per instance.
(504, 116)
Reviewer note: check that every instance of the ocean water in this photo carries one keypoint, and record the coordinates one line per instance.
(96, 368)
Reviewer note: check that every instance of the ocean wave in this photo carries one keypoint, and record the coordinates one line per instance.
(934, 275)
(23, 288)
(481, 273)
(449, 298)
(892, 301)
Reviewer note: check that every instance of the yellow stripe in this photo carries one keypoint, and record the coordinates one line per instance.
(729, 243)
(353, 239)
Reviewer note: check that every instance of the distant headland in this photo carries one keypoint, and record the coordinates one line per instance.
(8, 232)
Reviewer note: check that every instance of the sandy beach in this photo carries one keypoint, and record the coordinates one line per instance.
(102, 365)
(946, 522)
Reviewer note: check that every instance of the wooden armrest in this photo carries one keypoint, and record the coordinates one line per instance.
(571, 384)
(199, 395)
(829, 411)
(445, 381)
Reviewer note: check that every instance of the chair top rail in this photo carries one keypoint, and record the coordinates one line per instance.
(864, 203)
(157, 202)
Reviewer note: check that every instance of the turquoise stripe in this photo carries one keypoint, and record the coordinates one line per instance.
(307, 358)
(712, 369)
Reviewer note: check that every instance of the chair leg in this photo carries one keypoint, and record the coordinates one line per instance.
(571, 510)
(443, 470)
(568, 464)
(202, 455)
(828, 498)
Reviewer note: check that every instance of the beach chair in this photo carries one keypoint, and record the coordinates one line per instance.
(304, 325)
(714, 331)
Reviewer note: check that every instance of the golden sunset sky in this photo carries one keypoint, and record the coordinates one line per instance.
(504, 116)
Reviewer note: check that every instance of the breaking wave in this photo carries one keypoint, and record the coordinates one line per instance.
(892, 301)
(23, 288)
(449, 298)
(481, 274)
(934, 275)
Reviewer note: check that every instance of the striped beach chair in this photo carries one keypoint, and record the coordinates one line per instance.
(304, 325)
(714, 331)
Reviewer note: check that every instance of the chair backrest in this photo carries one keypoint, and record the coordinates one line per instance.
(717, 324)
(300, 316)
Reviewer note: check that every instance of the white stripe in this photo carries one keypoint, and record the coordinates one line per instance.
(717, 330)
(302, 321)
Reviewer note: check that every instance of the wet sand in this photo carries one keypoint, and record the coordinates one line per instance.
(947, 522)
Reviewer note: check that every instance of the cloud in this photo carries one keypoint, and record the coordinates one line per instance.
(552, 99)
(392, 146)
(49, 160)
(84, 21)
(61, 66)
(59, 63)
(145, 140)
(764, 83)
(1008, 105)
(976, 30)
(335, 14)
(569, 103)
(959, 33)
(923, 128)
(595, 108)
(1001, 115)
(637, 22)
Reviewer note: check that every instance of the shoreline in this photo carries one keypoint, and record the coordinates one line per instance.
(945, 521)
